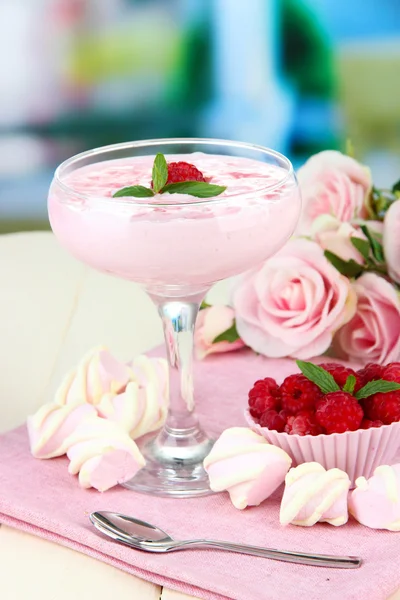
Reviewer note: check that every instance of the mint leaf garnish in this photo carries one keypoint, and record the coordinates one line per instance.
(373, 387)
(350, 384)
(200, 189)
(361, 245)
(349, 268)
(319, 376)
(138, 191)
(159, 173)
(230, 335)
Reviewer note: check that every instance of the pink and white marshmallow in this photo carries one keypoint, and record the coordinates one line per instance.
(98, 373)
(138, 410)
(103, 454)
(155, 370)
(313, 494)
(245, 465)
(50, 428)
(375, 502)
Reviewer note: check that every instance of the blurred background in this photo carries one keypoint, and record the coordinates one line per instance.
(296, 75)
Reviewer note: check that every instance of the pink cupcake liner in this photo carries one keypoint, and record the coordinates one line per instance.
(357, 453)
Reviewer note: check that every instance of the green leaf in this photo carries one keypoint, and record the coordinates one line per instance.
(319, 376)
(396, 187)
(350, 151)
(350, 384)
(159, 173)
(200, 189)
(204, 305)
(381, 200)
(376, 246)
(361, 245)
(373, 387)
(230, 335)
(138, 191)
(349, 268)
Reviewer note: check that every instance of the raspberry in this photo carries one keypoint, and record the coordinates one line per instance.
(274, 420)
(391, 372)
(299, 393)
(338, 412)
(383, 407)
(340, 374)
(304, 423)
(371, 372)
(367, 424)
(183, 171)
(264, 396)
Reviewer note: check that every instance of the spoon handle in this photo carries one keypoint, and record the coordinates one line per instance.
(316, 560)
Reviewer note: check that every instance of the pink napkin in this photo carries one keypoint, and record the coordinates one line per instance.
(42, 498)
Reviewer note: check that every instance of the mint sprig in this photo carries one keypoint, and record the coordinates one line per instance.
(373, 387)
(319, 376)
(138, 191)
(327, 384)
(199, 189)
(159, 172)
(350, 384)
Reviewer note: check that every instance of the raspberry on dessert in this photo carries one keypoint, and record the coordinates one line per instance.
(304, 423)
(338, 412)
(340, 373)
(299, 393)
(264, 396)
(391, 372)
(183, 171)
(274, 420)
(383, 407)
(371, 372)
(367, 424)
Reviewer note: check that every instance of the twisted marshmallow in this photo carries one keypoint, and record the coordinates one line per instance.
(376, 502)
(247, 466)
(137, 410)
(313, 494)
(50, 428)
(155, 370)
(103, 455)
(143, 406)
(98, 373)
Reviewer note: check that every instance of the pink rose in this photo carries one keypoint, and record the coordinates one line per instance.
(335, 236)
(211, 322)
(294, 303)
(391, 240)
(373, 333)
(334, 184)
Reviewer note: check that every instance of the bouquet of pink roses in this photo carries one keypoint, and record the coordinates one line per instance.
(333, 288)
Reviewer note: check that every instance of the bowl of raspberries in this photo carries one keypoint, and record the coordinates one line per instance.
(331, 414)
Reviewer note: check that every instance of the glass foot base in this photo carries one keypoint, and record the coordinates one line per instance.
(174, 465)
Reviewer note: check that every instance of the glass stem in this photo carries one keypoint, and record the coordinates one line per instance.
(179, 318)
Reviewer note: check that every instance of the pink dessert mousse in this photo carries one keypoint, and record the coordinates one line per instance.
(170, 239)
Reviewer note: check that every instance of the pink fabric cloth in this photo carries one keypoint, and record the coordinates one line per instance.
(40, 497)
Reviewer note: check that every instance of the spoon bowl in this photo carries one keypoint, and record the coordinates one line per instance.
(144, 536)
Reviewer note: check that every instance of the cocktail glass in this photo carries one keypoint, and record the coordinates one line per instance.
(176, 246)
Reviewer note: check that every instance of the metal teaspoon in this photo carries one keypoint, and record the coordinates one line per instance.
(144, 536)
